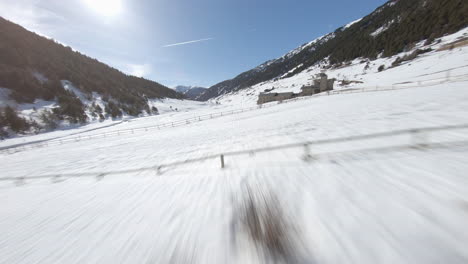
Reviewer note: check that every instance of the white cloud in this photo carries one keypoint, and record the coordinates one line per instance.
(31, 15)
(108, 8)
(139, 70)
(187, 42)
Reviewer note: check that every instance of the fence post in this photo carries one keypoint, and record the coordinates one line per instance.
(307, 156)
(55, 179)
(448, 75)
(419, 138)
(20, 181)
(99, 177)
(222, 161)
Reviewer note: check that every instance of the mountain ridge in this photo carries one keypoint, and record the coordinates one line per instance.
(191, 92)
(63, 86)
(32, 67)
(413, 21)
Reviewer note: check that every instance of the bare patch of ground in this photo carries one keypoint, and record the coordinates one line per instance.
(260, 220)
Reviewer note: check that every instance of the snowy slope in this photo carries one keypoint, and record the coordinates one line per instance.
(392, 28)
(168, 110)
(364, 73)
(363, 207)
(33, 111)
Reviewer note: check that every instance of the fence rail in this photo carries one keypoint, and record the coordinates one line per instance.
(419, 141)
(54, 142)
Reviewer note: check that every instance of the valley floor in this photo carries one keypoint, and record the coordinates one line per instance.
(351, 206)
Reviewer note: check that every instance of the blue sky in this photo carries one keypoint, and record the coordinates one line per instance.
(147, 37)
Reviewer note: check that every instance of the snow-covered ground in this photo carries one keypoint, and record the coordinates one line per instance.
(169, 109)
(33, 111)
(402, 206)
(341, 204)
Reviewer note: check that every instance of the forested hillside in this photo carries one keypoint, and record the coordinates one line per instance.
(32, 67)
(389, 30)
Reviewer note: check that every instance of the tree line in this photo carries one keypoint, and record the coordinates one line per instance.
(32, 67)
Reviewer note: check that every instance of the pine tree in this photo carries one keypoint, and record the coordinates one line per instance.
(12, 120)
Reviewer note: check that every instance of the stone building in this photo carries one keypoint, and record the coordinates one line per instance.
(271, 97)
(321, 84)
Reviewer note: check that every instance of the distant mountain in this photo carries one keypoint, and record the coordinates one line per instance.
(33, 67)
(195, 92)
(191, 92)
(182, 89)
(391, 29)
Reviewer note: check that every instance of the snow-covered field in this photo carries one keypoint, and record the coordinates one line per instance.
(166, 107)
(348, 202)
(402, 206)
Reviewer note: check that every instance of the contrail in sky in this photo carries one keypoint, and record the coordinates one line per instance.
(187, 42)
